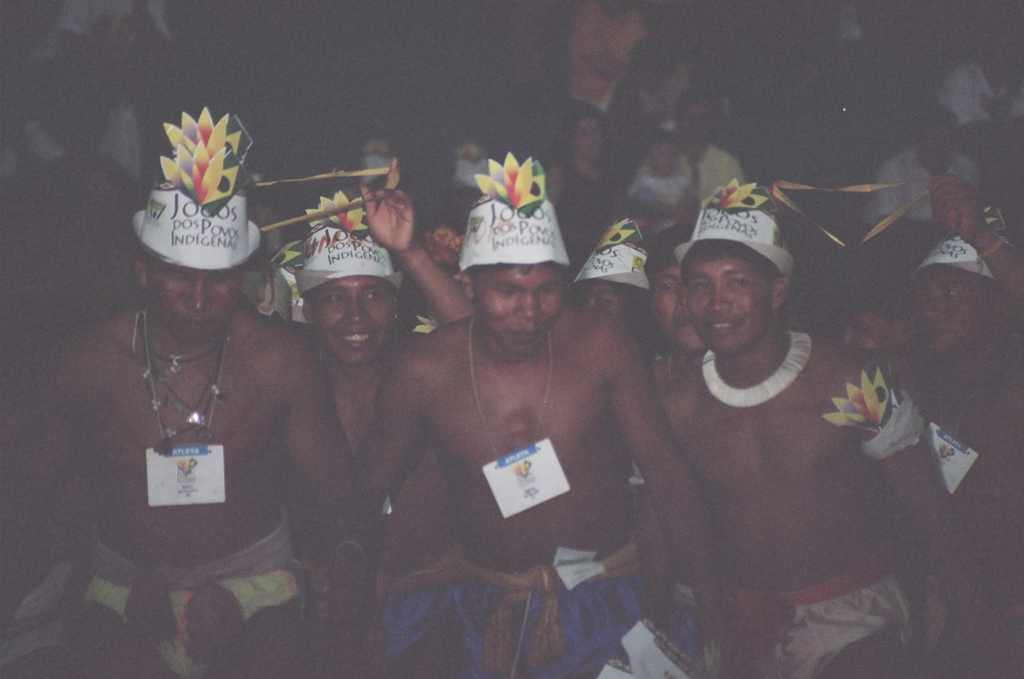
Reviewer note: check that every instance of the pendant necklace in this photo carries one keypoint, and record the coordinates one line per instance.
(784, 375)
(200, 415)
(176, 361)
(476, 393)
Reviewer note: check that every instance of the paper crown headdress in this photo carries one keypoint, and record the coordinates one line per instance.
(956, 252)
(340, 246)
(350, 220)
(744, 214)
(197, 217)
(735, 198)
(524, 187)
(618, 257)
(207, 157)
(285, 263)
(514, 222)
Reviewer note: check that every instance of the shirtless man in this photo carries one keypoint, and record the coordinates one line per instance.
(523, 392)
(969, 383)
(350, 301)
(795, 500)
(182, 417)
(349, 287)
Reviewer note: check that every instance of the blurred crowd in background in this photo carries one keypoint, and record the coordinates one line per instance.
(635, 109)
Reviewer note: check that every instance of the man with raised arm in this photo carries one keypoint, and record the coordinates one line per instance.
(349, 287)
(791, 442)
(183, 417)
(523, 399)
(969, 382)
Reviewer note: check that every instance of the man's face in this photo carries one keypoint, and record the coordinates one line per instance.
(605, 296)
(668, 306)
(732, 303)
(194, 305)
(518, 306)
(954, 310)
(353, 317)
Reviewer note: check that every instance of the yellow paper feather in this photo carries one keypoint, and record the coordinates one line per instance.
(870, 397)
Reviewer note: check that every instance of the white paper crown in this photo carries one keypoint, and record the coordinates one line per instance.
(618, 257)
(956, 252)
(180, 231)
(197, 218)
(513, 223)
(340, 246)
(742, 214)
(335, 253)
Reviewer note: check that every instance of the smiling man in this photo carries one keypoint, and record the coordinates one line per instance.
(349, 287)
(181, 418)
(523, 399)
(349, 290)
(795, 485)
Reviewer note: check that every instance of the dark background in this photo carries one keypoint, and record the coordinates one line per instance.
(314, 81)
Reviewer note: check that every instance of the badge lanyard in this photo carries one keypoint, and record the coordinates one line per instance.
(476, 393)
(494, 449)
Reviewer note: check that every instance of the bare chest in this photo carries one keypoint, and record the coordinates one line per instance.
(127, 411)
(355, 412)
(508, 410)
(783, 440)
(680, 405)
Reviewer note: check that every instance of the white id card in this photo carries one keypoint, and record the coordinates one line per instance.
(526, 478)
(191, 475)
(955, 458)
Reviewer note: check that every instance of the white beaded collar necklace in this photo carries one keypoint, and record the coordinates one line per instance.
(796, 359)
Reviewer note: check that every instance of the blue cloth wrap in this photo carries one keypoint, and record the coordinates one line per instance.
(594, 616)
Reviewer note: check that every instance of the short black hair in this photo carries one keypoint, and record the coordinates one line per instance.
(714, 249)
(661, 249)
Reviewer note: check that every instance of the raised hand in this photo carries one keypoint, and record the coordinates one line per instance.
(390, 216)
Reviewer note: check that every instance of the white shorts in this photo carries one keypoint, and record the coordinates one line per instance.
(819, 631)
